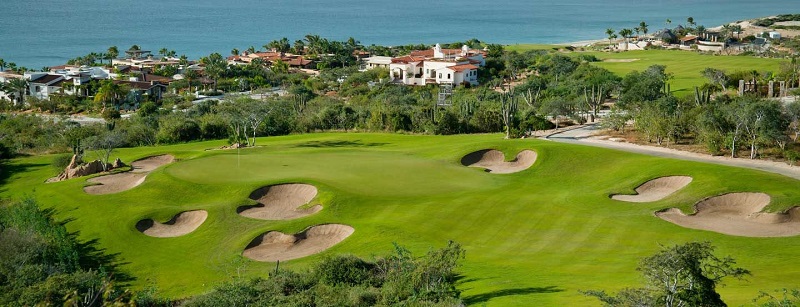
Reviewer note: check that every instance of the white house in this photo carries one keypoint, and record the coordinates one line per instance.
(437, 66)
(774, 35)
(376, 62)
(42, 84)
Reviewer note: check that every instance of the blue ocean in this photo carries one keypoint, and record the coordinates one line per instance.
(49, 32)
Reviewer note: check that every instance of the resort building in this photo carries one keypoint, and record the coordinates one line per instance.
(435, 66)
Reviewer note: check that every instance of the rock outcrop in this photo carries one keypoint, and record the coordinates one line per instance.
(77, 169)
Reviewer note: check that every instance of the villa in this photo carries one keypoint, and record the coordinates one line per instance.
(433, 66)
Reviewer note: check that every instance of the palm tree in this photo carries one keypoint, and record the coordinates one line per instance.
(668, 22)
(110, 91)
(610, 34)
(215, 66)
(234, 51)
(17, 86)
(190, 74)
(690, 20)
(625, 33)
(643, 27)
(112, 54)
(2, 65)
(163, 51)
(299, 46)
(251, 49)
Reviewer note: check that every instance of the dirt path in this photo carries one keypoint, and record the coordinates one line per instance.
(584, 136)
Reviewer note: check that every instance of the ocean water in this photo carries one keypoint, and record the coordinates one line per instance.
(49, 32)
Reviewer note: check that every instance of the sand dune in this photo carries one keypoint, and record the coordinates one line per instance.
(737, 214)
(494, 161)
(656, 189)
(281, 202)
(277, 246)
(181, 224)
(119, 182)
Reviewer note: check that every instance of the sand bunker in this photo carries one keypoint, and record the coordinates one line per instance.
(116, 183)
(737, 214)
(494, 161)
(277, 246)
(281, 202)
(656, 189)
(181, 224)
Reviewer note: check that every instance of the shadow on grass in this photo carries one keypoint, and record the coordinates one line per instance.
(8, 169)
(485, 297)
(334, 144)
(92, 257)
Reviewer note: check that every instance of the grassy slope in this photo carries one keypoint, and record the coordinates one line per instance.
(533, 238)
(686, 66)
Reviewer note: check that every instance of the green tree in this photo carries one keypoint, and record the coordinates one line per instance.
(215, 66)
(17, 88)
(643, 27)
(679, 275)
(611, 35)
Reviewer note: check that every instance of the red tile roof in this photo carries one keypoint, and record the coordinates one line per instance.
(463, 67)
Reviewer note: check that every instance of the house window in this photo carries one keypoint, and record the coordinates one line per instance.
(440, 75)
(448, 76)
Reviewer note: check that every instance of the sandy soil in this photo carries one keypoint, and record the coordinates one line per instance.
(181, 224)
(494, 161)
(116, 183)
(281, 202)
(656, 189)
(277, 246)
(737, 214)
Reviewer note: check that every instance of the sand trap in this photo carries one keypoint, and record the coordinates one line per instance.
(181, 224)
(656, 189)
(494, 161)
(277, 246)
(116, 183)
(281, 202)
(737, 214)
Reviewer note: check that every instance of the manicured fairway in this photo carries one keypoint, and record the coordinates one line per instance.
(532, 238)
(685, 66)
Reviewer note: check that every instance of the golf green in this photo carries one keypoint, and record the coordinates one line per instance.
(533, 237)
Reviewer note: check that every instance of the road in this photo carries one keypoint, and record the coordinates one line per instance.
(583, 136)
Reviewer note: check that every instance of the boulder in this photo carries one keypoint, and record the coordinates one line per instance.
(76, 169)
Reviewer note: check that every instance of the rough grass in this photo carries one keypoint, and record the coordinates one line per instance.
(532, 238)
(685, 66)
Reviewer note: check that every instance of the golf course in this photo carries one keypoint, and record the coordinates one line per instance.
(686, 67)
(536, 229)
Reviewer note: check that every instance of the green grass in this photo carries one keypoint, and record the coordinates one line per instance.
(685, 66)
(532, 238)
(528, 47)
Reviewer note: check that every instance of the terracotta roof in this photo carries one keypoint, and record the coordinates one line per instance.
(423, 53)
(299, 62)
(408, 59)
(151, 77)
(688, 38)
(462, 67)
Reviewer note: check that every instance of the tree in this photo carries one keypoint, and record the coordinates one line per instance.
(716, 76)
(17, 87)
(679, 275)
(234, 51)
(793, 113)
(611, 35)
(110, 92)
(625, 33)
(215, 66)
(105, 144)
(643, 27)
(764, 123)
(690, 20)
